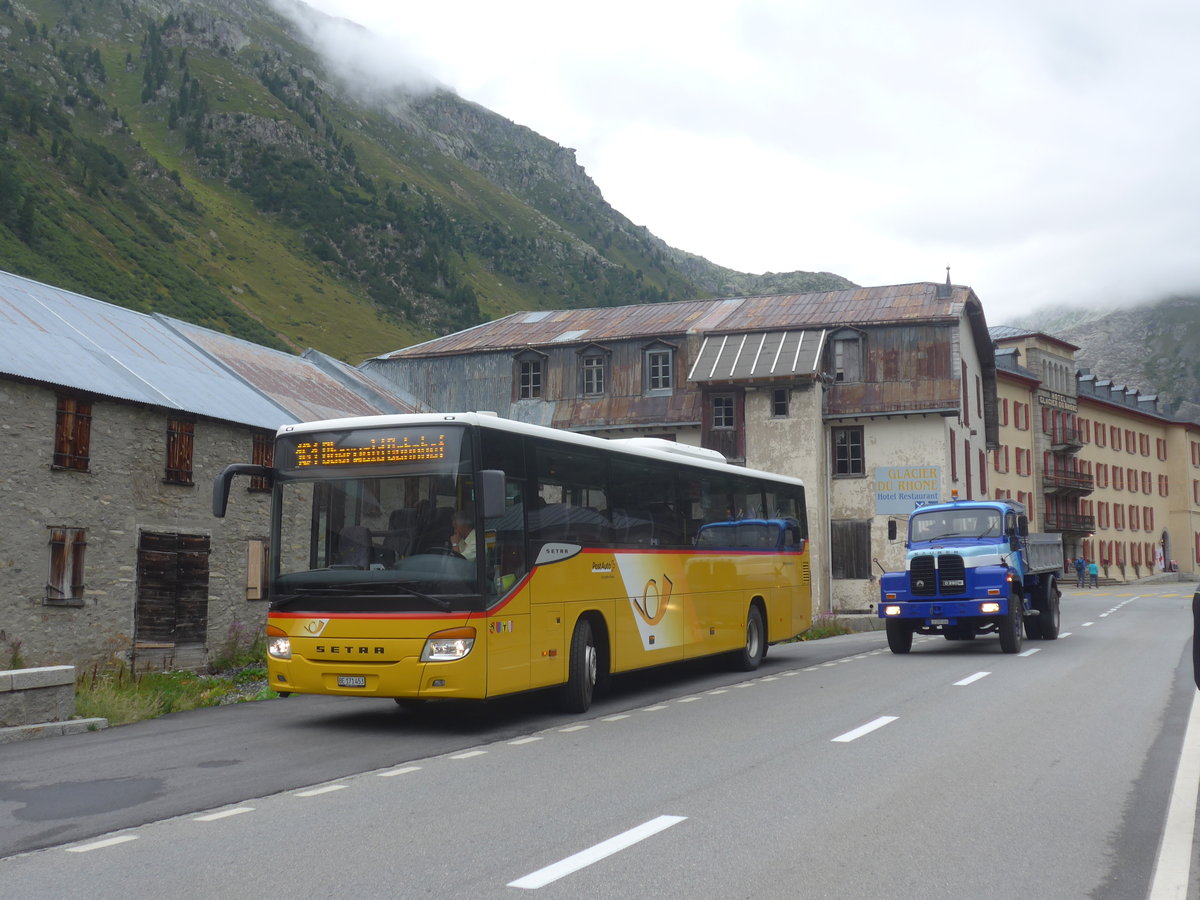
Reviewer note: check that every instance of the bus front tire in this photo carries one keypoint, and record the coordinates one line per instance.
(748, 658)
(583, 670)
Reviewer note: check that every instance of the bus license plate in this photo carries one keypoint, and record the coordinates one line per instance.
(939, 621)
(352, 680)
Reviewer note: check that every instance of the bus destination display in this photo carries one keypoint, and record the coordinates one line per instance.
(358, 450)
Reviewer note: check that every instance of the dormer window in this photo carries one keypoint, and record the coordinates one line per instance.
(593, 370)
(846, 348)
(529, 374)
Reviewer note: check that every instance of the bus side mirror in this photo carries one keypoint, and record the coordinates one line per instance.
(220, 498)
(491, 493)
(891, 529)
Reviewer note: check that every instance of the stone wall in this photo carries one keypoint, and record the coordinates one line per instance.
(122, 495)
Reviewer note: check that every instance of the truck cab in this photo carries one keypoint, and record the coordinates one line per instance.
(972, 568)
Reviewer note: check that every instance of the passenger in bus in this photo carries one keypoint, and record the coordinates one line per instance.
(462, 537)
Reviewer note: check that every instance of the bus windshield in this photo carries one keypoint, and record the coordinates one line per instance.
(377, 522)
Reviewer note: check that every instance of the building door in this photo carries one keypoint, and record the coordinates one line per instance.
(172, 590)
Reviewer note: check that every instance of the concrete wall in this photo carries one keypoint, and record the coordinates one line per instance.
(122, 495)
(794, 445)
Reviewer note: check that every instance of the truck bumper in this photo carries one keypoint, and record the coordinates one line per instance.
(944, 612)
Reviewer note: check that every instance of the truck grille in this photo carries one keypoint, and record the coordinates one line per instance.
(931, 576)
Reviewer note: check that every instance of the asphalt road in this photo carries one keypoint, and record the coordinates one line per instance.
(837, 770)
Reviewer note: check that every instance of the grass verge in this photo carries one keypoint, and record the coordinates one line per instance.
(237, 674)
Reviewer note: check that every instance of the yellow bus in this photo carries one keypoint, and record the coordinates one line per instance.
(422, 557)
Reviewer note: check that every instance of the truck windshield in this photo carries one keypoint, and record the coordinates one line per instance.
(387, 537)
(954, 523)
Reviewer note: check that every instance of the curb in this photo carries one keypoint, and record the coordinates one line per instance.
(50, 729)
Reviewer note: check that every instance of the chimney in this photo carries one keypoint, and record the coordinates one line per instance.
(944, 291)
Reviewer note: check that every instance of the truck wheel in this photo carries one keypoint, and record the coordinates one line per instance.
(748, 658)
(1010, 625)
(899, 635)
(1047, 604)
(583, 666)
(1033, 624)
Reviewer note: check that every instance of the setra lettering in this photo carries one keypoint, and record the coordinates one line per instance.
(349, 650)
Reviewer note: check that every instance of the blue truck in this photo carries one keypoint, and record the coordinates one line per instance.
(971, 568)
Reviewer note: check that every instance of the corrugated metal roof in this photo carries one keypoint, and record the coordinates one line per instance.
(763, 354)
(62, 338)
(65, 339)
(923, 301)
(295, 383)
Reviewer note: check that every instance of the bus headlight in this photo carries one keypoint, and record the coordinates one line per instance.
(987, 608)
(279, 645)
(447, 646)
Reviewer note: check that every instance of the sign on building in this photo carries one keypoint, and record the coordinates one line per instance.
(898, 489)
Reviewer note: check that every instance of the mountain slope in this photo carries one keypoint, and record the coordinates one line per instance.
(1150, 347)
(198, 158)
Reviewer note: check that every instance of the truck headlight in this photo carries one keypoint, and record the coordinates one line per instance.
(447, 646)
(989, 608)
(891, 610)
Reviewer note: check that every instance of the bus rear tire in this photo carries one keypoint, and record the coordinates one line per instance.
(583, 668)
(748, 658)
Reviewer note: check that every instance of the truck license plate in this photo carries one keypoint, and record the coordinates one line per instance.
(352, 680)
(939, 621)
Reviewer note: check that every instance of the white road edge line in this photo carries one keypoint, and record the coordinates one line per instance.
(971, 679)
(864, 729)
(584, 858)
(391, 773)
(1174, 862)
(107, 842)
(225, 814)
(321, 790)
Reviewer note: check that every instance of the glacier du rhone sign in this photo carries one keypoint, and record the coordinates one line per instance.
(898, 489)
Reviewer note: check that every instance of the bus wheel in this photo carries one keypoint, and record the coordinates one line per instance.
(583, 668)
(748, 658)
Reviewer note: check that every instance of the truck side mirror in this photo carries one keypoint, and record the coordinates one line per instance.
(891, 529)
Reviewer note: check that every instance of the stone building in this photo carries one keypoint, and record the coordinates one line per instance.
(877, 397)
(114, 425)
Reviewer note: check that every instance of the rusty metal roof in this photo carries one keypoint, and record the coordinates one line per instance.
(924, 301)
(305, 390)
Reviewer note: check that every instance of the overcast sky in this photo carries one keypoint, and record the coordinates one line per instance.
(1047, 150)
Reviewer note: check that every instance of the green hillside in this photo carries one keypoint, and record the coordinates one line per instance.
(196, 159)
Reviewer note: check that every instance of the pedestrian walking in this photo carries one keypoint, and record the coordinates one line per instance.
(1093, 574)
(1080, 564)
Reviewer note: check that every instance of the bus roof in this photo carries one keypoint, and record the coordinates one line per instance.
(640, 447)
